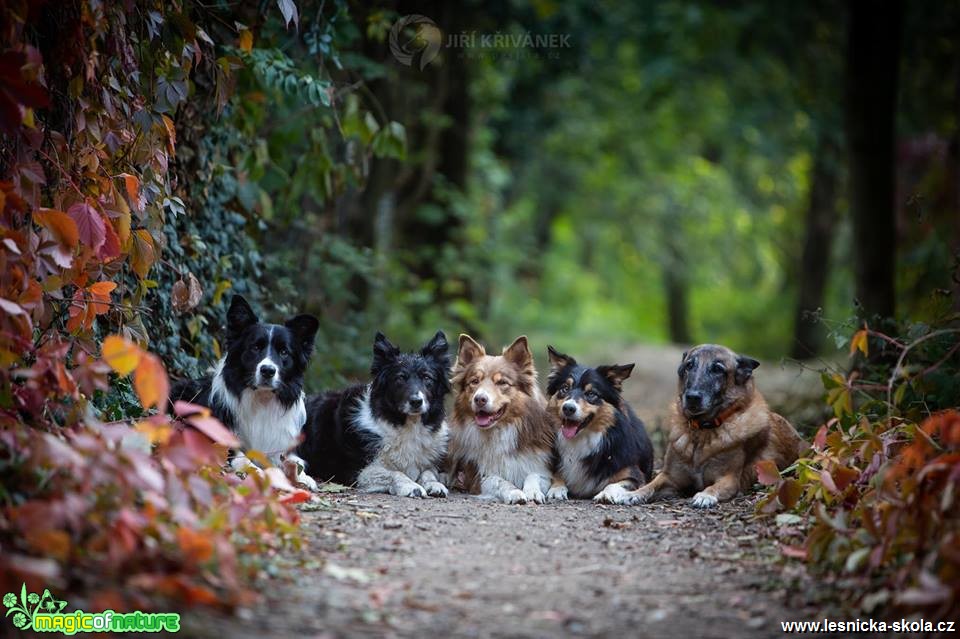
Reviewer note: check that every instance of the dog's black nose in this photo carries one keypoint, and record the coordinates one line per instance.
(480, 400)
(416, 402)
(693, 400)
(569, 409)
(267, 371)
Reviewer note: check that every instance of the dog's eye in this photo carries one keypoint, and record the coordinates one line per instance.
(402, 377)
(563, 391)
(427, 377)
(503, 383)
(591, 395)
(689, 365)
(717, 367)
(474, 381)
(284, 352)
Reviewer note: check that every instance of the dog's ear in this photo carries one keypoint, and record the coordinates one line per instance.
(384, 352)
(239, 317)
(469, 350)
(304, 328)
(437, 348)
(683, 362)
(616, 373)
(745, 366)
(559, 360)
(518, 353)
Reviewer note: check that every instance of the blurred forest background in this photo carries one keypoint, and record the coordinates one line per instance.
(756, 174)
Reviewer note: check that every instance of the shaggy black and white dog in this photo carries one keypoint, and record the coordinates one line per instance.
(389, 435)
(256, 389)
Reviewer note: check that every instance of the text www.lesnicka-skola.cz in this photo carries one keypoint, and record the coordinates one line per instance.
(868, 625)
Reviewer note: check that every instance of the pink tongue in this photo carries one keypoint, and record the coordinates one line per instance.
(569, 431)
(483, 419)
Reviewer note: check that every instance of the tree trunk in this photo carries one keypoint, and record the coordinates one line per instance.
(873, 52)
(675, 282)
(817, 243)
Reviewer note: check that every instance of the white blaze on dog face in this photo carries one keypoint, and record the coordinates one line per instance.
(491, 386)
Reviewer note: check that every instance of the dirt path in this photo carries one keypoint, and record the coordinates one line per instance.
(376, 565)
(382, 566)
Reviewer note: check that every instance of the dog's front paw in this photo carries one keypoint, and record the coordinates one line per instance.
(412, 489)
(513, 496)
(307, 482)
(703, 500)
(636, 497)
(612, 494)
(534, 495)
(436, 489)
(557, 493)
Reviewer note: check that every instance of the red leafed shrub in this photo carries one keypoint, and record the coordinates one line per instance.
(878, 493)
(126, 510)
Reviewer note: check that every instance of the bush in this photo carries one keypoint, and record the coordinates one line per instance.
(876, 497)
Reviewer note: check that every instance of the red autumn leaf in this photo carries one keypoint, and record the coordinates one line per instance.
(820, 440)
(89, 223)
(212, 428)
(132, 185)
(110, 249)
(100, 296)
(789, 493)
(827, 480)
(196, 546)
(61, 225)
(843, 476)
(296, 497)
(767, 472)
(793, 552)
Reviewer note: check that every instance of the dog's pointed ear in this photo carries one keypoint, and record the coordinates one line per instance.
(518, 353)
(559, 360)
(304, 328)
(469, 350)
(384, 351)
(683, 361)
(437, 348)
(239, 317)
(616, 373)
(745, 366)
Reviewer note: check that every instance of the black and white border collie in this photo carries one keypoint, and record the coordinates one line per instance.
(256, 389)
(601, 449)
(388, 436)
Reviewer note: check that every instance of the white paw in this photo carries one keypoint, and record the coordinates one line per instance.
(535, 495)
(612, 494)
(308, 482)
(413, 490)
(436, 489)
(703, 500)
(513, 496)
(557, 493)
(637, 497)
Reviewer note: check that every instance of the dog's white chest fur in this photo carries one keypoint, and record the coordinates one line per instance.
(410, 449)
(495, 453)
(571, 453)
(261, 422)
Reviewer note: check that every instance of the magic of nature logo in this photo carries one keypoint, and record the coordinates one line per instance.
(44, 613)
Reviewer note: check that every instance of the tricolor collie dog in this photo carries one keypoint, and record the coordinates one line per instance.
(388, 436)
(720, 427)
(256, 389)
(601, 448)
(501, 439)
